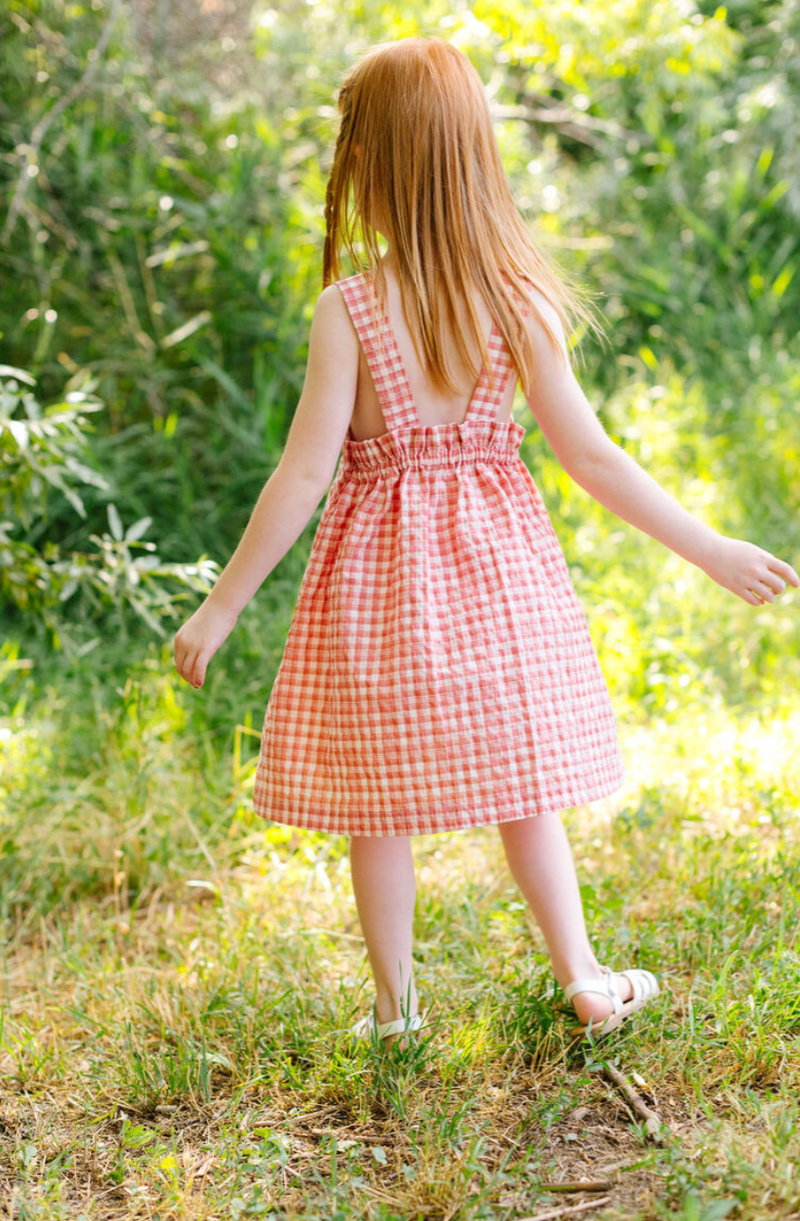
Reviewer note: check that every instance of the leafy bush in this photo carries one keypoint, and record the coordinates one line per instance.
(163, 232)
(44, 449)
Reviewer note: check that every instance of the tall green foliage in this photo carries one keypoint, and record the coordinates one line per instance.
(43, 450)
(163, 170)
(155, 246)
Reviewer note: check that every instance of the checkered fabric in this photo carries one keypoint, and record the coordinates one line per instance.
(438, 673)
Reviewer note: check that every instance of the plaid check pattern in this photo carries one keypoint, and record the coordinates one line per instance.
(439, 672)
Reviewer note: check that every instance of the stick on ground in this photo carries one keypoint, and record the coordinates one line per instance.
(654, 1125)
(566, 1212)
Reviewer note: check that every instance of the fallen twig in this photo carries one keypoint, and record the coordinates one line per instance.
(654, 1125)
(627, 1163)
(581, 1185)
(565, 1212)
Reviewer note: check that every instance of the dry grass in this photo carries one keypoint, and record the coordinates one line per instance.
(174, 1043)
(186, 1054)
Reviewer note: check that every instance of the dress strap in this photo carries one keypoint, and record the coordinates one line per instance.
(381, 353)
(485, 402)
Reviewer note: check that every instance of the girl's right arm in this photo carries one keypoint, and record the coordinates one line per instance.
(613, 478)
(293, 490)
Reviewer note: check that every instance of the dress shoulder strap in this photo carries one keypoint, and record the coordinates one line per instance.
(381, 353)
(485, 401)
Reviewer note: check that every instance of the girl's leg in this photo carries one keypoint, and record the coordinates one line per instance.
(382, 869)
(540, 859)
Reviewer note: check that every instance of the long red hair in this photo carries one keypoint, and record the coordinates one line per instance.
(416, 159)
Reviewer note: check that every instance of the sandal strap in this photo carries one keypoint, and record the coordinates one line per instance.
(366, 1026)
(644, 983)
(399, 1026)
(604, 987)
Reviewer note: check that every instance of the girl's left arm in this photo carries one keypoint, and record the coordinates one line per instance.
(293, 491)
(616, 480)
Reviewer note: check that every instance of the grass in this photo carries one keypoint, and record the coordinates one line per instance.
(180, 979)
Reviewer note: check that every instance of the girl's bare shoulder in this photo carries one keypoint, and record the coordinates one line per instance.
(332, 322)
(543, 312)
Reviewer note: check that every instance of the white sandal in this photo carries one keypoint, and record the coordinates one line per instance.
(366, 1027)
(645, 987)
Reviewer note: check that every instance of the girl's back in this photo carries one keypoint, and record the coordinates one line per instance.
(435, 406)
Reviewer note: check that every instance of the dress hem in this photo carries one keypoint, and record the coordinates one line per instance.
(411, 826)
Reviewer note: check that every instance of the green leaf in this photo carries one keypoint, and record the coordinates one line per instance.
(19, 374)
(138, 528)
(19, 432)
(715, 1210)
(782, 282)
(114, 523)
(53, 477)
(764, 160)
(134, 1136)
(68, 590)
(143, 612)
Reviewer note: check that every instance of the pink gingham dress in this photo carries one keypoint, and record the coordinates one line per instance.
(438, 673)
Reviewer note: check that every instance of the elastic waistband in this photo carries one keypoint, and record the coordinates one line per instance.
(368, 466)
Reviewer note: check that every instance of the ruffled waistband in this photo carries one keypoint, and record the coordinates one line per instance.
(439, 445)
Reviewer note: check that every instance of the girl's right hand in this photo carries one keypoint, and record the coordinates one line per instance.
(199, 638)
(754, 574)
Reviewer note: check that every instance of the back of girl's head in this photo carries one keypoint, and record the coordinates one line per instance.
(417, 160)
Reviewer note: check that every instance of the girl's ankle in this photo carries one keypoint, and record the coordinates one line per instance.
(577, 968)
(389, 1008)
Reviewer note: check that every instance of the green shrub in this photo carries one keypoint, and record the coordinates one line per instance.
(44, 450)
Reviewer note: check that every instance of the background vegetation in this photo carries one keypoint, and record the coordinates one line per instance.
(176, 969)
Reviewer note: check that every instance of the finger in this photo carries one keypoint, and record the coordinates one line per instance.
(752, 598)
(188, 666)
(198, 670)
(182, 656)
(764, 591)
(785, 570)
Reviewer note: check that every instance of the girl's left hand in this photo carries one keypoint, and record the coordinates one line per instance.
(756, 575)
(199, 638)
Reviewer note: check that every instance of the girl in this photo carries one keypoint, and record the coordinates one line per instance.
(439, 673)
